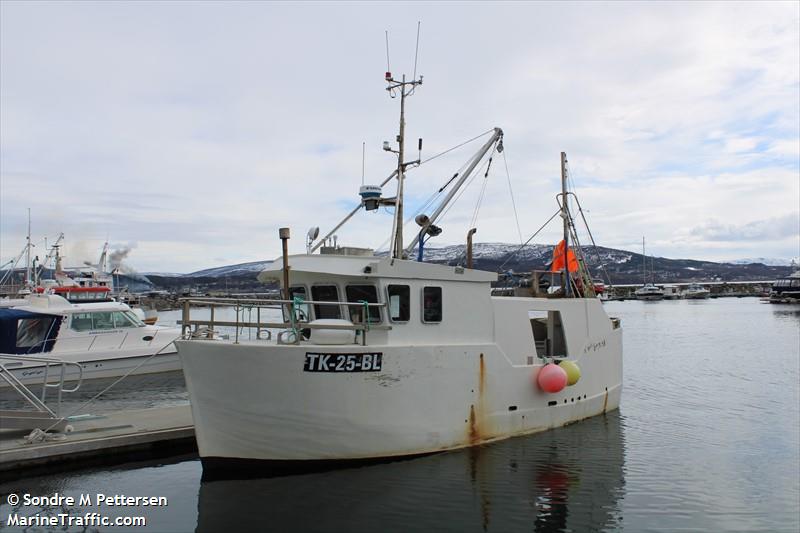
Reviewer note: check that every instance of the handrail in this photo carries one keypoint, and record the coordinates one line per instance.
(295, 325)
(26, 393)
(245, 301)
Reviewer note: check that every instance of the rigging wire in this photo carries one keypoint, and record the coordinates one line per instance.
(482, 194)
(523, 245)
(435, 195)
(586, 225)
(455, 200)
(457, 146)
(594, 246)
(511, 192)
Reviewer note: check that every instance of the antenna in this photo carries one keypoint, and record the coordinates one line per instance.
(416, 52)
(388, 68)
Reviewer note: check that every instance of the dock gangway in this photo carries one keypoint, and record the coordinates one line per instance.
(41, 416)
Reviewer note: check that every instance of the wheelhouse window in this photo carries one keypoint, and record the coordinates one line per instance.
(363, 293)
(33, 332)
(431, 304)
(325, 293)
(399, 303)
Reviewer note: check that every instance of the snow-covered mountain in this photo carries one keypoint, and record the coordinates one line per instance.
(620, 266)
(769, 261)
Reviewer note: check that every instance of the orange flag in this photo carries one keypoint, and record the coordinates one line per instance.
(558, 258)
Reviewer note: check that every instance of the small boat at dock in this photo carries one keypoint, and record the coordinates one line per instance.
(649, 292)
(106, 338)
(786, 290)
(695, 291)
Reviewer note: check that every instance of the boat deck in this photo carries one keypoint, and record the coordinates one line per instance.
(110, 438)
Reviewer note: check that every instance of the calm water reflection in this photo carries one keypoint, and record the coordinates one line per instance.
(707, 438)
(567, 479)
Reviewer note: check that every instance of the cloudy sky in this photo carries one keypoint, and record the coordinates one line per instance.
(190, 132)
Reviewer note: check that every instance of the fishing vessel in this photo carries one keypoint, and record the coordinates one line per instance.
(388, 357)
(106, 338)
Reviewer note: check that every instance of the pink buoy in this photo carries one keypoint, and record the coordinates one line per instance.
(552, 378)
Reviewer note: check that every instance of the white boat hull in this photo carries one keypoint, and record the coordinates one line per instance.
(649, 298)
(697, 296)
(279, 413)
(33, 374)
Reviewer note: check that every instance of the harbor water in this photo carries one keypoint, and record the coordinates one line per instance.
(707, 439)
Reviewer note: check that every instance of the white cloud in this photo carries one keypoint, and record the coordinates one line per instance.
(197, 129)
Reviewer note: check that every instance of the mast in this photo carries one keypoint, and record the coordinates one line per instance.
(28, 253)
(406, 89)
(644, 264)
(401, 141)
(565, 217)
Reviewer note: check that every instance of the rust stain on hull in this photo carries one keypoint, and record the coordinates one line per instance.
(481, 379)
(474, 430)
(477, 411)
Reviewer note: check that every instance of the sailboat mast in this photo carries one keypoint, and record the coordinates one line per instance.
(28, 252)
(398, 214)
(565, 217)
(644, 264)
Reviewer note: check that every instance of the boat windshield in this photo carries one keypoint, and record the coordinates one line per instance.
(105, 320)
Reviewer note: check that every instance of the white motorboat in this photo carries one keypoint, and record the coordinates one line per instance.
(383, 357)
(786, 290)
(649, 292)
(671, 292)
(106, 338)
(695, 291)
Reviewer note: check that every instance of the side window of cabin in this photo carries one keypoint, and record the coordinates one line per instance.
(399, 302)
(325, 293)
(32, 332)
(121, 320)
(431, 304)
(81, 322)
(302, 312)
(134, 319)
(103, 320)
(363, 293)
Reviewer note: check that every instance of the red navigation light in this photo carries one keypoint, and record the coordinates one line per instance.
(388, 76)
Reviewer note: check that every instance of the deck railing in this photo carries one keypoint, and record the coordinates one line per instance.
(11, 363)
(191, 328)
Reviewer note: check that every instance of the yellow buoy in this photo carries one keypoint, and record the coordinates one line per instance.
(573, 371)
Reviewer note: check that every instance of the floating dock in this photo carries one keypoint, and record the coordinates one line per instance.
(104, 439)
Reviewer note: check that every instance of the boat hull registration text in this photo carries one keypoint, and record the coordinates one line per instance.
(343, 362)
